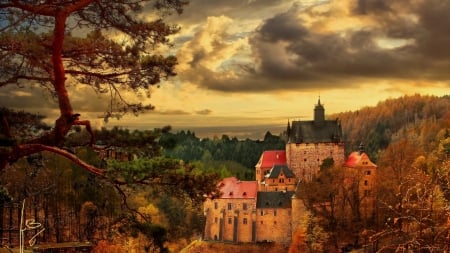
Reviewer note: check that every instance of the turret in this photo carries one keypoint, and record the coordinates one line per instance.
(319, 114)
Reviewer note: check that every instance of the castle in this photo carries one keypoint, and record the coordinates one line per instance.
(267, 210)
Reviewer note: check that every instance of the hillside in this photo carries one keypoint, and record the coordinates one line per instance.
(375, 126)
(378, 125)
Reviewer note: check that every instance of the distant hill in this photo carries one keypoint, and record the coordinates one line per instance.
(378, 125)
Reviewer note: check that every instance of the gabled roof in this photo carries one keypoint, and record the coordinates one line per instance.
(271, 157)
(358, 159)
(281, 168)
(274, 199)
(312, 132)
(231, 187)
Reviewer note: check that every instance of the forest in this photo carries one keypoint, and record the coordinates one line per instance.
(126, 190)
(75, 205)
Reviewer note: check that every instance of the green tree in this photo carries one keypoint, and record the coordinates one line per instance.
(39, 47)
(54, 44)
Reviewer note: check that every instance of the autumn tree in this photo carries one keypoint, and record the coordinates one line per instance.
(412, 205)
(54, 44)
(39, 47)
(322, 197)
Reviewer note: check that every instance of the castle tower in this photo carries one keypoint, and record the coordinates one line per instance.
(309, 143)
(319, 114)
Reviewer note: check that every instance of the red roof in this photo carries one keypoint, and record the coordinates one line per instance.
(272, 157)
(356, 158)
(231, 187)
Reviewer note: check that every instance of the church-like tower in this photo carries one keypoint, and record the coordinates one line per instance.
(309, 143)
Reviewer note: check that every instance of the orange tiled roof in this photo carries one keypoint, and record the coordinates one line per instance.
(270, 158)
(231, 187)
(356, 158)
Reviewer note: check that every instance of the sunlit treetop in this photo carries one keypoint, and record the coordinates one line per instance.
(89, 54)
(108, 46)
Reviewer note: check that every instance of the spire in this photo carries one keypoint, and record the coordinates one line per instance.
(288, 131)
(319, 114)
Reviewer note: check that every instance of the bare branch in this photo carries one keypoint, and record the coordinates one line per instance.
(27, 149)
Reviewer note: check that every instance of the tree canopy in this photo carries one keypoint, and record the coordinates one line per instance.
(55, 43)
(113, 47)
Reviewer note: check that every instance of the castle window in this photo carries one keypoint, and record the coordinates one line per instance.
(230, 220)
(216, 205)
(365, 182)
(244, 221)
(216, 220)
(368, 172)
(275, 212)
(230, 206)
(275, 222)
(281, 180)
(304, 159)
(262, 213)
(244, 206)
(262, 222)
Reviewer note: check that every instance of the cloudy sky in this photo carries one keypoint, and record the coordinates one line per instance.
(248, 63)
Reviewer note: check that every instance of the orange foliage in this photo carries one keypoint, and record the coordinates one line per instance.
(106, 247)
(298, 242)
(214, 247)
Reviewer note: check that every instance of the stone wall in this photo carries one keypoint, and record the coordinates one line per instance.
(273, 224)
(304, 159)
(230, 219)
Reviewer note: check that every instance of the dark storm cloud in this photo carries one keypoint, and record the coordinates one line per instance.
(290, 55)
(282, 27)
(372, 6)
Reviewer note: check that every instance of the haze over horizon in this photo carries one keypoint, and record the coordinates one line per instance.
(246, 67)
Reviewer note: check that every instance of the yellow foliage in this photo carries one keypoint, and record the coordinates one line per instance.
(154, 213)
(107, 247)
